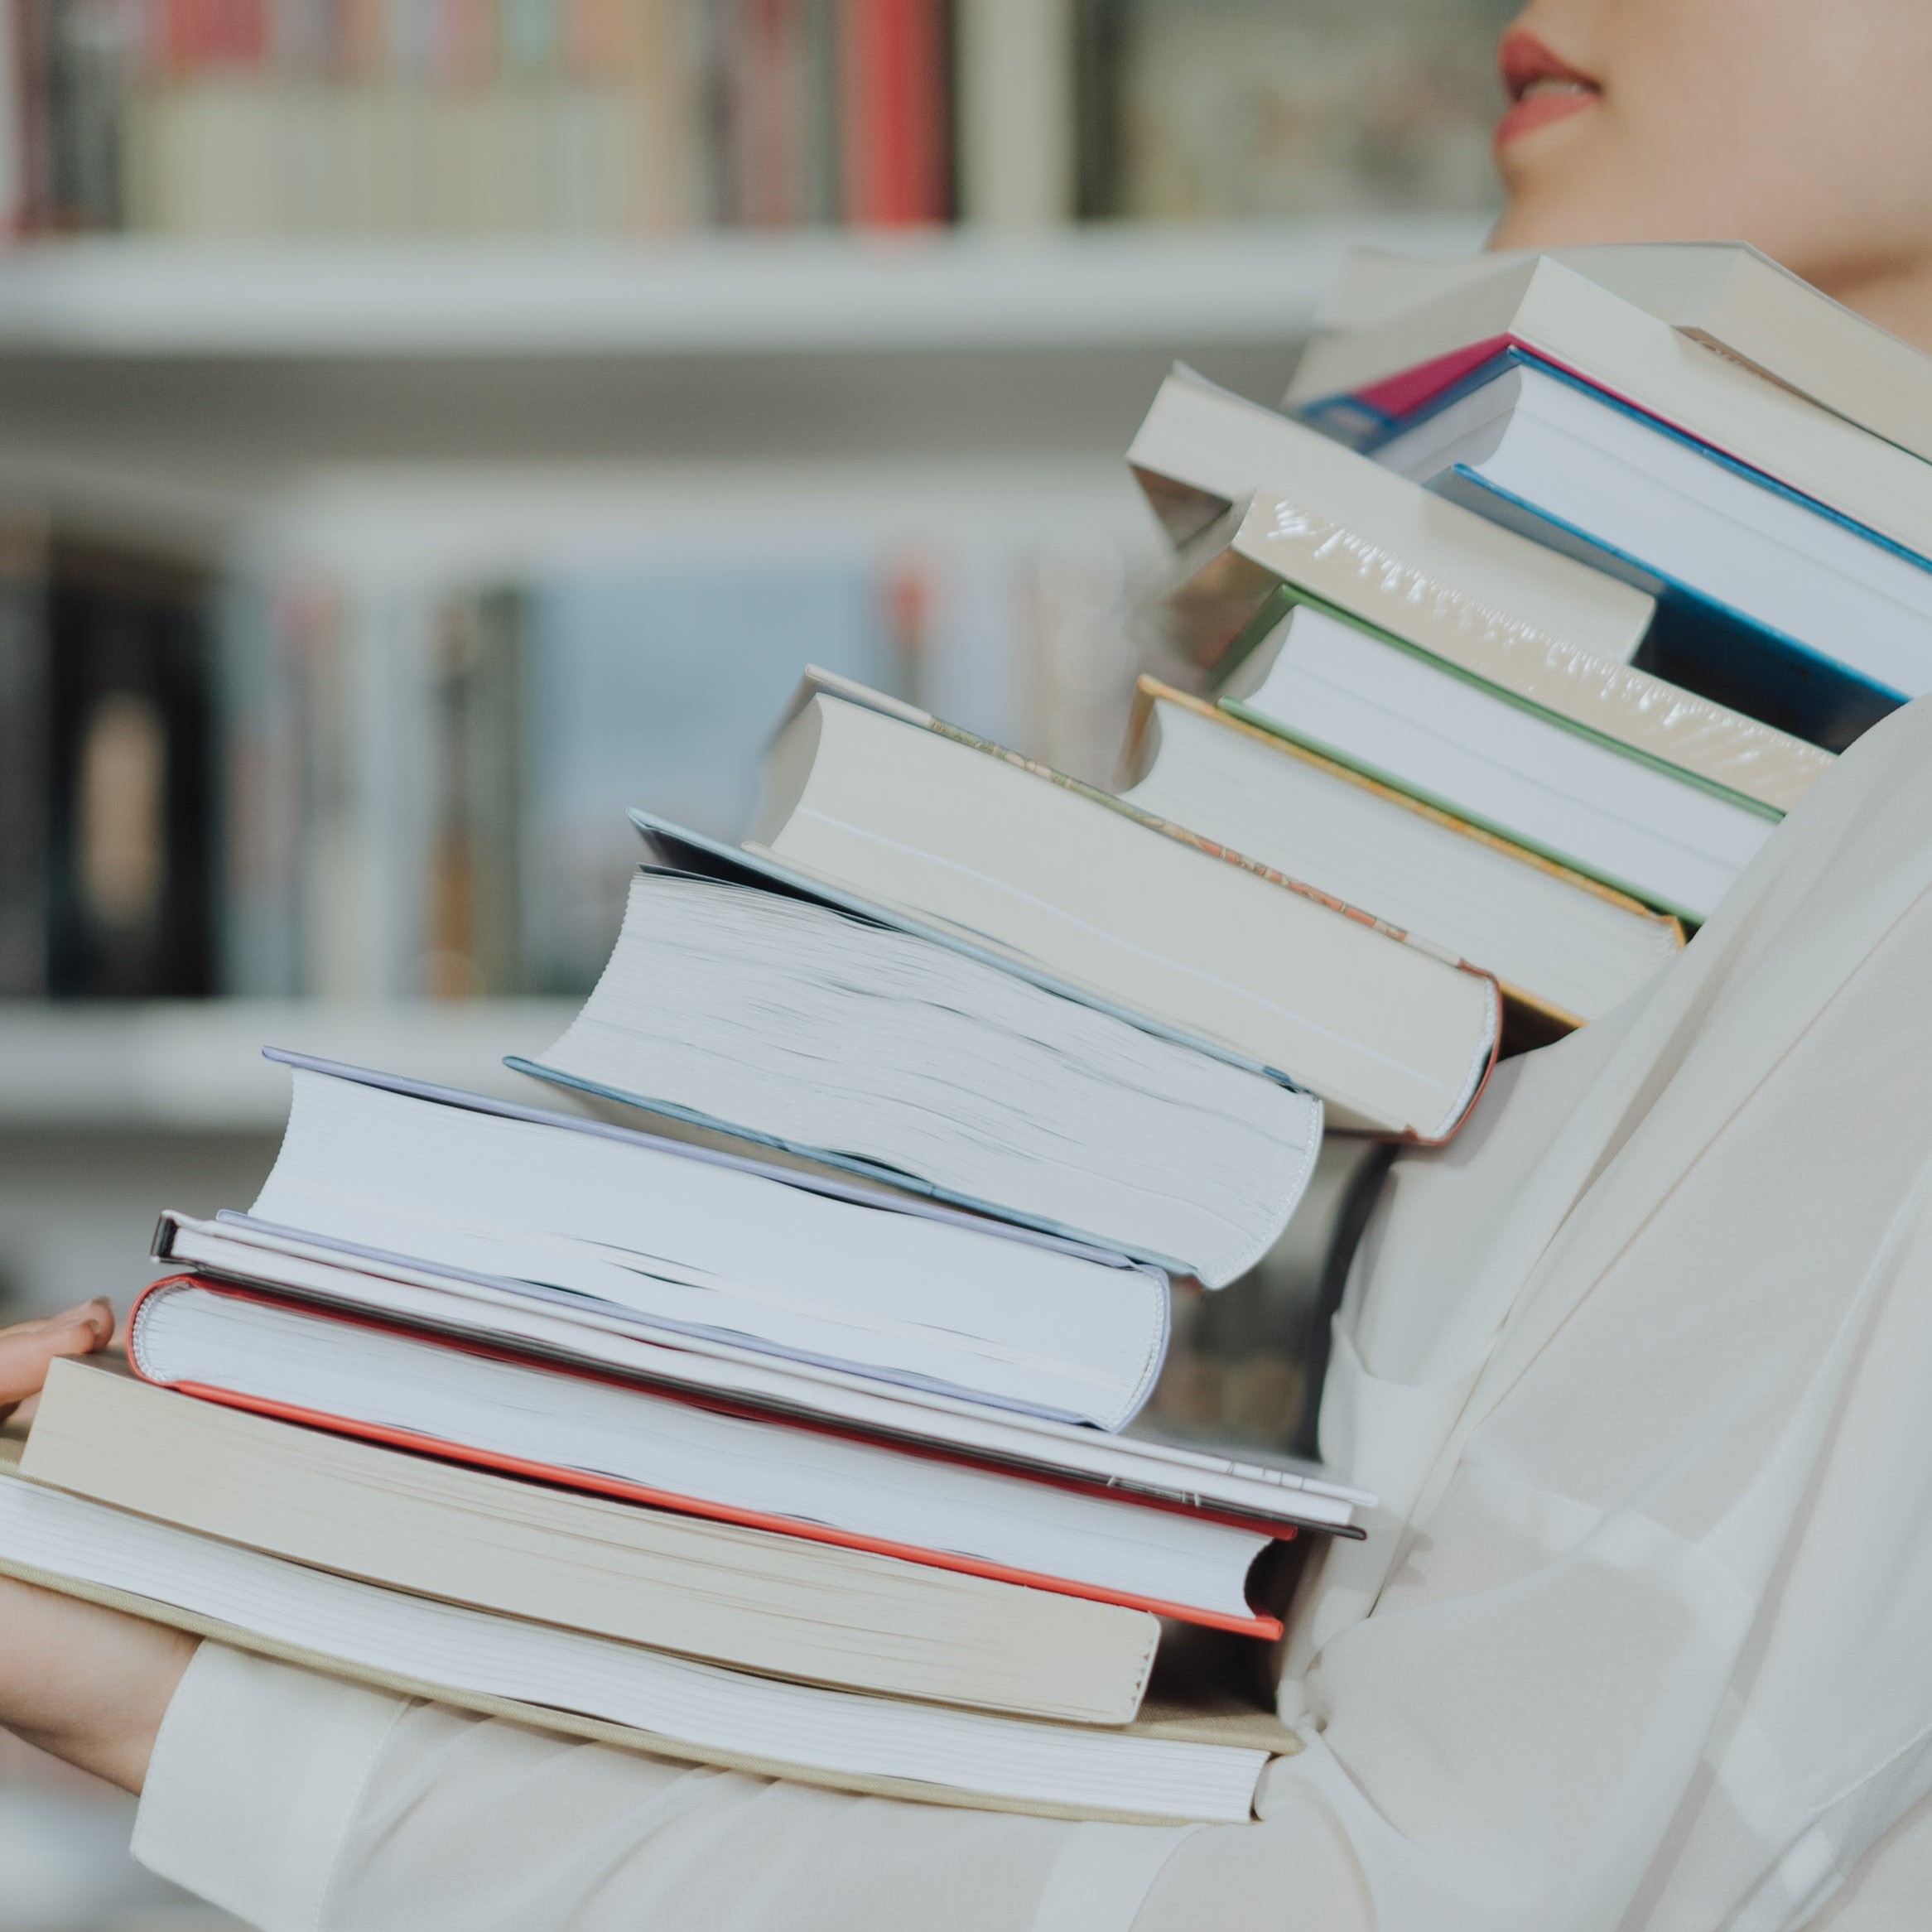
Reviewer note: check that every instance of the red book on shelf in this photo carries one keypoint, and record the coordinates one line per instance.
(892, 99)
(250, 1351)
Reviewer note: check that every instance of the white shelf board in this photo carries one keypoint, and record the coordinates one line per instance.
(722, 295)
(197, 1066)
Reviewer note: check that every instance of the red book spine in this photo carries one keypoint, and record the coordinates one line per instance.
(893, 99)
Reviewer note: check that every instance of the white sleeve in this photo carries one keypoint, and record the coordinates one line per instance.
(302, 1804)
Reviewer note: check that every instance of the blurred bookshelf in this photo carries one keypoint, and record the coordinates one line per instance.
(726, 294)
(1148, 285)
(195, 1067)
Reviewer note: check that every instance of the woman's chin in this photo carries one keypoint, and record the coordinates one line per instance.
(1546, 210)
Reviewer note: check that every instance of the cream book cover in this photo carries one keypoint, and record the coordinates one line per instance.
(1244, 575)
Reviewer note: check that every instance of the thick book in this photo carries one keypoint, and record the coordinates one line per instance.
(693, 1242)
(1254, 567)
(591, 1430)
(780, 1606)
(1404, 717)
(1203, 450)
(520, 1319)
(878, 798)
(734, 1002)
(1725, 294)
(1355, 384)
(1174, 1764)
(1802, 620)
(1565, 947)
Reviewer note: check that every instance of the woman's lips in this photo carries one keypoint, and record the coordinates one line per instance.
(1542, 87)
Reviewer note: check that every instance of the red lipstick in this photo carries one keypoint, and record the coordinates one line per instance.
(1542, 87)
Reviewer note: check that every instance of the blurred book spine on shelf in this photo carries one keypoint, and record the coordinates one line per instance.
(108, 768)
(610, 118)
(425, 786)
(1245, 109)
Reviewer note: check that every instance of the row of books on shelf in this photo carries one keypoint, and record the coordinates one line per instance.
(614, 117)
(769, 1411)
(280, 781)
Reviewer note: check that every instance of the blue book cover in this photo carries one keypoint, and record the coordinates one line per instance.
(1696, 641)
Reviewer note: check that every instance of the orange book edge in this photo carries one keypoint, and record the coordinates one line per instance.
(1255, 1625)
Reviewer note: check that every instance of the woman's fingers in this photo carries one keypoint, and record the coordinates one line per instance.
(28, 1351)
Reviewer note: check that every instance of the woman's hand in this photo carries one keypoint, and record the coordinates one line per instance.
(29, 1350)
(89, 1684)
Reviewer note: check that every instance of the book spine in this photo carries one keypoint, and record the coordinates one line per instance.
(24, 775)
(769, 111)
(1016, 113)
(892, 98)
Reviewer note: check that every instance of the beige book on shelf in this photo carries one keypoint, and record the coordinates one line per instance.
(750, 1598)
(886, 800)
(1551, 310)
(1565, 949)
(1203, 450)
(1016, 113)
(1725, 294)
(1197, 1759)
(1240, 577)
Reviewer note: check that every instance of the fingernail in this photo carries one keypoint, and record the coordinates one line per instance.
(80, 1309)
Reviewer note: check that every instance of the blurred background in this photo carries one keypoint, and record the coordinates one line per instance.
(429, 426)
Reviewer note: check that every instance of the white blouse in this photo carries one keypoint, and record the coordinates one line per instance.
(1642, 1638)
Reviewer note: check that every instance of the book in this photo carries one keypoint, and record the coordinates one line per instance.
(747, 1008)
(1254, 567)
(1727, 294)
(690, 1240)
(780, 1606)
(777, 134)
(1357, 383)
(893, 88)
(518, 1317)
(1202, 451)
(1172, 1764)
(1016, 113)
(1563, 947)
(1223, 111)
(588, 1430)
(1407, 719)
(108, 800)
(882, 799)
(1798, 618)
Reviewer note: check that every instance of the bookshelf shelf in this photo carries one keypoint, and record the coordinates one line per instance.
(196, 1068)
(806, 295)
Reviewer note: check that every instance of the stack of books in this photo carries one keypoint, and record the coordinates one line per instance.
(1556, 581)
(769, 1412)
(786, 1434)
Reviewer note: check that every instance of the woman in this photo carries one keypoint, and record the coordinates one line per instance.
(1638, 1363)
